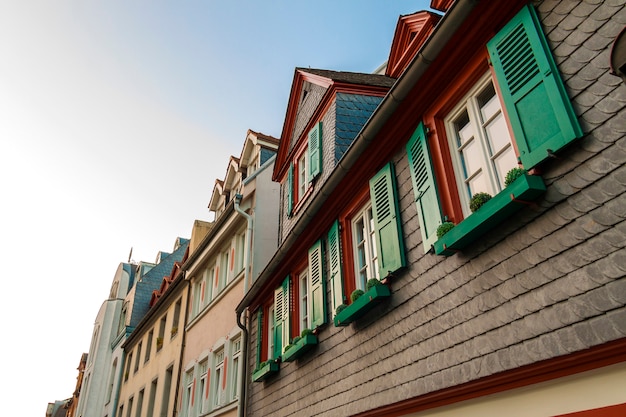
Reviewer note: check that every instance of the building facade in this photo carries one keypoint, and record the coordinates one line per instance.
(226, 261)
(464, 253)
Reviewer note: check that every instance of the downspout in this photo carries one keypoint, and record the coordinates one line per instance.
(244, 331)
(444, 30)
(182, 347)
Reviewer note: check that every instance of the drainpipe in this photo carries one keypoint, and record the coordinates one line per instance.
(183, 343)
(244, 331)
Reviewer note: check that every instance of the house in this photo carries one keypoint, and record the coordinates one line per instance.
(225, 262)
(123, 310)
(420, 271)
(150, 352)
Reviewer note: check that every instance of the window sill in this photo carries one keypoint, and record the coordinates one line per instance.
(524, 189)
(300, 348)
(264, 372)
(362, 305)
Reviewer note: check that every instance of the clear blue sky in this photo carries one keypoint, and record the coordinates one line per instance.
(116, 118)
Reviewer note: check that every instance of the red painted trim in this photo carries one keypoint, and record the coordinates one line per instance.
(411, 33)
(618, 410)
(598, 357)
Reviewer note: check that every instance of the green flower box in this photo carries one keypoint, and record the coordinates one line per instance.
(523, 190)
(264, 372)
(300, 348)
(362, 305)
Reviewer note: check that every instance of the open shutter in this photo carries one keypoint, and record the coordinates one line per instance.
(279, 301)
(290, 191)
(315, 151)
(539, 109)
(424, 187)
(387, 221)
(334, 255)
(259, 335)
(286, 312)
(317, 285)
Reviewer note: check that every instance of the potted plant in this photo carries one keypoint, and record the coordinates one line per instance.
(362, 302)
(174, 330)
(444, 228)
(512, 175)
(300, 345)
(159, 342)
(478, 200)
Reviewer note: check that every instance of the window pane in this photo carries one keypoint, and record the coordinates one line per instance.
(504, 162)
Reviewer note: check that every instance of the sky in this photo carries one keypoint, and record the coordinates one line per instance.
(116, 118)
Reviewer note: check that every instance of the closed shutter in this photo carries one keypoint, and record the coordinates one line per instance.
(334, 255)
(290, 191)
(387, 221)
(317, 285)
(424, 187)
(281, 317)
(539, 109)
(315, 151)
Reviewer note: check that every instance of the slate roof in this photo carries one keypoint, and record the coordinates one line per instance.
(352, 111)
(358, 78)
(152, 281)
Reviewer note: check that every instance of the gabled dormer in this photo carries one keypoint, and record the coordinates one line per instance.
(411, 33)
(325, 112)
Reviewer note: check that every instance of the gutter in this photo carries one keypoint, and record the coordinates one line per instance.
(182, 345)
(445, 29)
(241, 406)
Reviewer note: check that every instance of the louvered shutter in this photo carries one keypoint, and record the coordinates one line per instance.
(317, 285)
(539, 109)
(315, 151)
(290, 191)
(424, 187)
(334, 255)
(387, 221)
(279, 300)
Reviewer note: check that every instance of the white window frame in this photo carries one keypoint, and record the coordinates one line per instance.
(235, 374)
(364, 247)
(486, 165)
(204, 370)
(303, 174)
(304, 282)
(188, 406)
(271, 314)
(217, 396)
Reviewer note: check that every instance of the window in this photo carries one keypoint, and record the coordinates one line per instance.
(209, 273)
(167, 388)
(139, 403)
(112, 377)
(271, 317)
(160, 338)
(127, 371)
(364, 243)
(373, 238)
(152, 399)
(306, 166)
(138, 357)
(303, 279)
(480, 143)
(235, 368)
(198, 295)
(130, 407)
(471, 120)
(149, 345)
(189, 395)
(176, 320)
(240, 245)
(203, 389)
(224, 267)
(219, 375)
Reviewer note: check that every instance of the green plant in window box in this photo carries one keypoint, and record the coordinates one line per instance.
(300, 345)
(356, 294)
(512, 175)
(174, 330)
(159, 342)
(265, 370)
(444, 228)
(372, 282)
(340, 308)
(478, 200)
(362, 302)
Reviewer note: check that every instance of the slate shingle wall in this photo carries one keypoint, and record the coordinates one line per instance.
(548, 282)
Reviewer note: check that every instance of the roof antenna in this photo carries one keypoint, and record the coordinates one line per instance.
(130, 255)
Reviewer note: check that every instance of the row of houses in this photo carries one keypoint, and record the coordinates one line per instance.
(442, 237)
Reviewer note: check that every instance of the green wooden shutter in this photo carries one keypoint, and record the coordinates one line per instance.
(387, 221)
(317, 285)
(315, 151)
(286, 312)
(334, 255)
(278, 321)
(259, 336)
(290, 191)
(539, 109)
(424, 187)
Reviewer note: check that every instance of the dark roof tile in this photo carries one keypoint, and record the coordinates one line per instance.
(352, 77)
